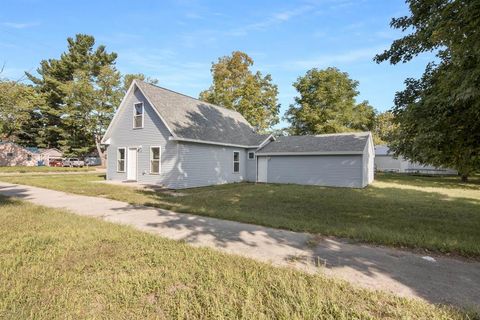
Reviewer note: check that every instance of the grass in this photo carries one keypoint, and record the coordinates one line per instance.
(42, 169)
(58, 265)
(432, 213)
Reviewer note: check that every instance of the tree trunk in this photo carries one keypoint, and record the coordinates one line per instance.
(464, 177)
(101, 153)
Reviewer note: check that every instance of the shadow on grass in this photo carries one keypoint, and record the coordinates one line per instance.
(446, 281)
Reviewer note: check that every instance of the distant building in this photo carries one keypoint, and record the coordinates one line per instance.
(386, 162)
(11, 154)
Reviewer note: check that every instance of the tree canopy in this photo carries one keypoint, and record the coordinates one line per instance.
(81, 89)
(19, 105)
(438, 115)
(236, 87)
(326, 104)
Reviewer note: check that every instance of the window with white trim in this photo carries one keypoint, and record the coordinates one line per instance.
(121, 160)
(155, 155)
(9, 154)
(236, 161)
(138, 115)
(251, 155)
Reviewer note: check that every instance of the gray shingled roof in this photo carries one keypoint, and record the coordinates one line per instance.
(328, 143)
(190, 118)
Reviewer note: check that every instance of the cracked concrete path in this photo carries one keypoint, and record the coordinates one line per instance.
(437, 279)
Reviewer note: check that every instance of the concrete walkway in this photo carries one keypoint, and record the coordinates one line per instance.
(438, 279)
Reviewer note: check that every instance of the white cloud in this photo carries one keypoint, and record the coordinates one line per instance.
(273, 19)
(363, 54)
(17, 25)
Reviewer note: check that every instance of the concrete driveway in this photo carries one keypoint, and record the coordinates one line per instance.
(434, 279)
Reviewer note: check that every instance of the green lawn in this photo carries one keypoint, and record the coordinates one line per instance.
(41, 169)
(438, 214)
(56, 265)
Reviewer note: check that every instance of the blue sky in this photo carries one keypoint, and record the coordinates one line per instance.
(176, 41)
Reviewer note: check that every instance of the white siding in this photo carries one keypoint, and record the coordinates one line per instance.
(336, 171)
(202, 165)
(387, 163)
(183, 165)
(368, 163)
(154, 133)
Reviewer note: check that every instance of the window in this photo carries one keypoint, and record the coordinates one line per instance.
(251, 155)
(121, 160)
(138, 115)
(155, 160)
(236, 162)
(9, 154)
(29, 157)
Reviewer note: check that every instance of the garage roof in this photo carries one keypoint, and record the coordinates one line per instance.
(338, 143)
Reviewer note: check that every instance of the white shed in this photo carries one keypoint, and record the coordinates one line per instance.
(386, 162)
(338, 160)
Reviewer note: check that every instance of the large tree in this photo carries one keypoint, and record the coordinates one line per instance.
(90, 103)
(236, 87)
(81, 89)
(384, 127)
(19, 105)
(53, 74)
(438, 115)
(326, 104)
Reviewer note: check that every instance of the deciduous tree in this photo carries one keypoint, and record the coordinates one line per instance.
(236, 87)
(326, 104)
(438, 115)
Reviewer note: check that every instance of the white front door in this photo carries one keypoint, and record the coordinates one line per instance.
(132, 164)
(262, 169)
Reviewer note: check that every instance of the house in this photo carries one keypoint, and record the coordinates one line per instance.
(50, 154)
(12, 154)
(162, 137)
(385, 161)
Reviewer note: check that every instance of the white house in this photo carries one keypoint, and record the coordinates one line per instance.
(385, 161)
(162, 137)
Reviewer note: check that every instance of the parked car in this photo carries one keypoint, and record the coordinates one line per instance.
(93, 161)
(56, 163)
(73, 162)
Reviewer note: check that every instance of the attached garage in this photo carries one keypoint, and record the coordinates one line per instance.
(338, 160)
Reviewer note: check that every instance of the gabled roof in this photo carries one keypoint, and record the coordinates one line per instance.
(382, 150)
(190, 119)
(338, 143)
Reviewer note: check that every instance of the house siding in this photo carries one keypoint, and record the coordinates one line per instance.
(202, 165)
(336, 171)
(368, 163)
(153, 133)
(19, 156)
(183, 165)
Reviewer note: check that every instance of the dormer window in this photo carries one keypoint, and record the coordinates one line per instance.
(138, 115)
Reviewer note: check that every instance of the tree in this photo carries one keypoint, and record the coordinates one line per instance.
(236, 87)
(438, 115)
(90, 103)
(384, 127)
(326, 104)
(129, 77)
(54, 73)
(18, 104)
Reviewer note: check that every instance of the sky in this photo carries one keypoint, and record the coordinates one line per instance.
(177, 41)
